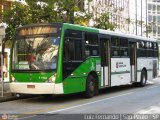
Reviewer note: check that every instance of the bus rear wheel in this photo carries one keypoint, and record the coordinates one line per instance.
(90, 87)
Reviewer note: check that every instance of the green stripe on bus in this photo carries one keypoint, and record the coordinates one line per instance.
(147, 70)
(76, 76)
(122, 72)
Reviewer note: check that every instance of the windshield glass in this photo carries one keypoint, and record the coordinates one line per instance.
(35, 53)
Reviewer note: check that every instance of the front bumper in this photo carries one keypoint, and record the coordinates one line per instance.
(36, 88)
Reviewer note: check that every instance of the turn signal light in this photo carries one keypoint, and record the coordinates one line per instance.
(52, 79)
(13, 79)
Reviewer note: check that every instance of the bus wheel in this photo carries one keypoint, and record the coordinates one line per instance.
(143, 79)
(90, 86)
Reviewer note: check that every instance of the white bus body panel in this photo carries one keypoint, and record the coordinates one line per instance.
(133, 77)
(104, 80)
(102, 76)
(106, 75)
(40, 88)
(120, 71)
(145, 63)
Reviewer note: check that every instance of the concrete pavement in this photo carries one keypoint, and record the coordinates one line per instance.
(115, 100)
(7, 94)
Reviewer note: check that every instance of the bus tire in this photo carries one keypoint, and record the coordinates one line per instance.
(90, 87)
(143, 79)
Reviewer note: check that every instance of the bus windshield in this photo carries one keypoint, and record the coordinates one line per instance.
(35, 53)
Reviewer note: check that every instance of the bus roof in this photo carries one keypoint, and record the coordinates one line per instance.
(119, 34)
(79, 27)
(114, 33)
(91, 29)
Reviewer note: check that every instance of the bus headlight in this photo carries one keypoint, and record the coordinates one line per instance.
(13, 79)
(52, 79)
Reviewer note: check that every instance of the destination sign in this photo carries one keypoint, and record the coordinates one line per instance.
(37, 30)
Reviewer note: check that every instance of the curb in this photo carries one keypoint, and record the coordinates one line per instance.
(7, 97)
(10, 97)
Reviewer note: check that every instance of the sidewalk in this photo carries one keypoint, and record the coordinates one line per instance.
(7, 96)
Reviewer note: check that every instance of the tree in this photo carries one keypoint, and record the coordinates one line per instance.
(42, 11)
(103, 22)
(72, 11)
(15, 18)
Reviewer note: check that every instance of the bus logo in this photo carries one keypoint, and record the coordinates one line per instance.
(116, 64)
(120, 65)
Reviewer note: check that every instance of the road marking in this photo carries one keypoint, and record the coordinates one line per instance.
(152, 87)
(54, 111)
(70, 106)
(150, 82)
(153, 109)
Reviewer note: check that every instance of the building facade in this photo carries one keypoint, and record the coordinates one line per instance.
(118, 11)
(138, 17)
(154, 18)
(128, 16)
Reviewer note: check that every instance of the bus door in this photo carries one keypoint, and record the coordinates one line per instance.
(133, 60)
(105, 61)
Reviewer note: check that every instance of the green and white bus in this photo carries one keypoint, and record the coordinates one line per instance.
(62, 58)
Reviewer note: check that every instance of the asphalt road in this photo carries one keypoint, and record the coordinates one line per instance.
(115, 101)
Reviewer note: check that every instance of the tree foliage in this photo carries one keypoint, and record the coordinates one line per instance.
(48, 11)
(15, 18)
(42, 11)
(103, 22)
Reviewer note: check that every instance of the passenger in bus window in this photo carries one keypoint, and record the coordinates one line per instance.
(31, 58)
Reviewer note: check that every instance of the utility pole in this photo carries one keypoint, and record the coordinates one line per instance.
(146, 19)
(141, 19)
(2, 35)
(136, 14)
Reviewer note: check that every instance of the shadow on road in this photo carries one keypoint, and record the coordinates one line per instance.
(45, 99)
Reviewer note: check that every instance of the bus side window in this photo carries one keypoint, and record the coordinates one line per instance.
(124, 47)
(72, 51)
(115, 51)
(141, 49)
(155, 47)
(68, 49)
(72, 45)
(149, 47)
(91, 45)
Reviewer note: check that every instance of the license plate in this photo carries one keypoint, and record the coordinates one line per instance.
(30, 86)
